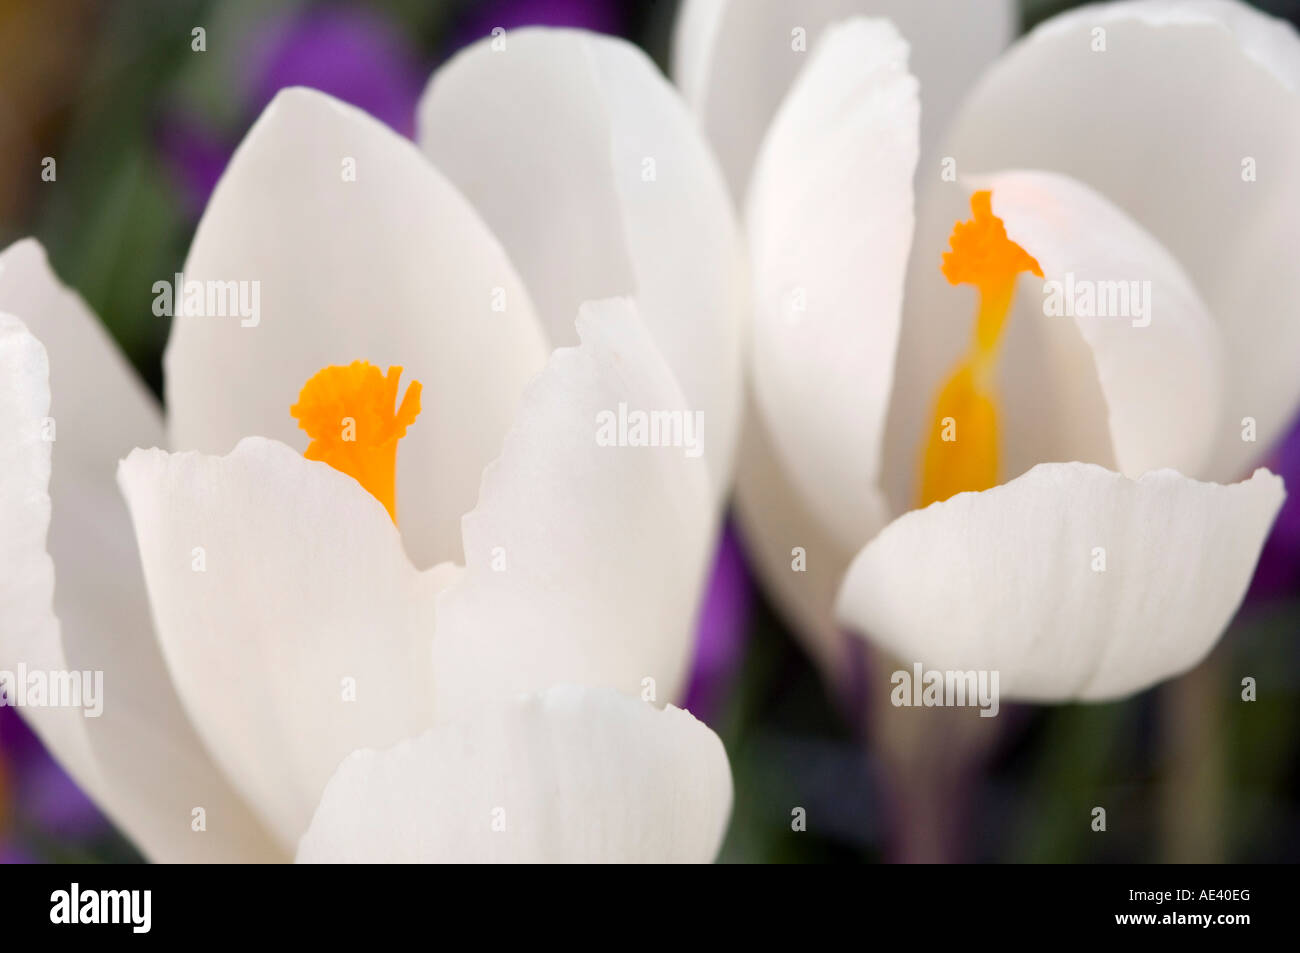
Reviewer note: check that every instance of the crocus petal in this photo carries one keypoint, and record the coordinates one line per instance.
(735, 59)
(566, 776)
(140, 758)
(389, 265)
(830, 223)
(1161, 371)
(1071, 582)
(102, 411)
(1189, 120)
(595, 177)
(586, 553)
(294, 625)
(798, 562)
(29, 630)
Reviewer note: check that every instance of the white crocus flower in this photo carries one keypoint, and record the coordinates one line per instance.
(434, 602)
(734, 60)
(1089, 561)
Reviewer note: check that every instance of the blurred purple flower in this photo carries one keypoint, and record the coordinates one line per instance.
(39, 791)
(599, 15)
(16, 855)
(353, 54)
(1278, 572)
(722, 626)
(197, 157)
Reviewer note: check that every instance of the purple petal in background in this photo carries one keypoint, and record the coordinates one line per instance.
(55, 802)
(196, 155)
(599, 15)
(40, 791)
(354, 54)
(1278, 572)
(722, 627)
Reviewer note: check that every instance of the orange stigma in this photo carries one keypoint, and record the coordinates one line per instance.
(961, 451)
(348, 413)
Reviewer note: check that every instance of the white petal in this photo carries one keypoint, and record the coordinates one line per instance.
(102, 410)
(1161, 123)
(1007, 580)
(735, 59)
(278, 585)
(799, 564)
(566, 776)
(1160, 370)
(586, 163)
(29, 630)
(830, 223)
(140, 758)
(393, 268)
(585, 562)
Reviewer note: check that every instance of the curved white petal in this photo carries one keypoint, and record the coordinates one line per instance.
(140, 758)
(584, 562)
(295, 628)
(1070, 581)
(29, 630)
(360, 251)
(735, 59)
(1189, 120)
(102, 410)
(1158, 357)
(799, 564)
(830, 224)
(585, 162)
(566, 776)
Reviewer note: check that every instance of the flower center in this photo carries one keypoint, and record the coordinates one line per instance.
(961, 452)
(348, 413)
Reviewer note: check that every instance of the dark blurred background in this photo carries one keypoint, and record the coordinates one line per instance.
(141, 126)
